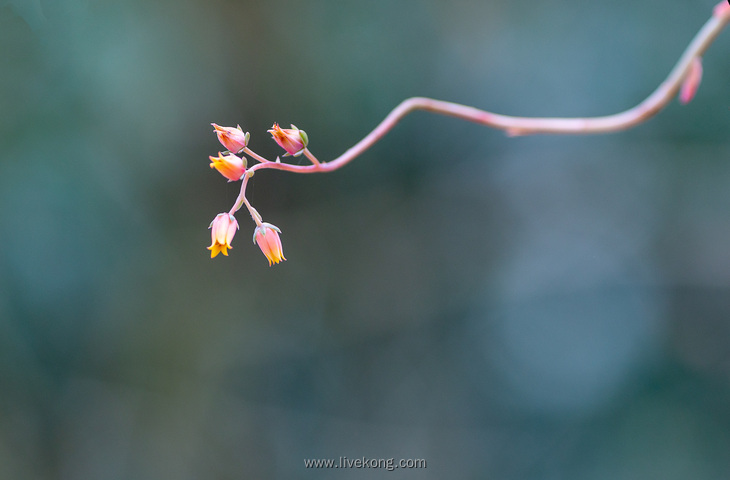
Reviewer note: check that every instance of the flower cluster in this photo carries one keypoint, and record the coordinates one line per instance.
(684, 79)
(233, 165)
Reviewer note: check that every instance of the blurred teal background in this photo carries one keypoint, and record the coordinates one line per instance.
(527, 308)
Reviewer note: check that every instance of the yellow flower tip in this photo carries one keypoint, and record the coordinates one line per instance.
(230, 166)
(266, 236)
(222, 230)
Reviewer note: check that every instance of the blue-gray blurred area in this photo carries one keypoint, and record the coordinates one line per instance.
(503, 308)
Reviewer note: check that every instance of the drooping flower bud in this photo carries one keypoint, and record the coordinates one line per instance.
(222, 229)
(230, 166)
(232, 138)
(691, 82)
(266, 236)
(293, 140)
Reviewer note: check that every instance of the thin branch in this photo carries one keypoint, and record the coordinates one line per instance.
(515, 126)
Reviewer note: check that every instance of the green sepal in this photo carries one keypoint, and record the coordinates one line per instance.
(273, 227)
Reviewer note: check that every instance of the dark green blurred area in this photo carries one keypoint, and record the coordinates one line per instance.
(526, 308)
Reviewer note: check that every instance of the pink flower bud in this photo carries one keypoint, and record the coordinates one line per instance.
(229, 165)
(721, 9)
(266, 236)
(691, 81)
(232, 138)
(222, 229)
(293, 140)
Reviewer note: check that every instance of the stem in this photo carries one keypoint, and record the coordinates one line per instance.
(255, 155)
(515, 126)
(242, 200)
(531, 125)
(310, 156)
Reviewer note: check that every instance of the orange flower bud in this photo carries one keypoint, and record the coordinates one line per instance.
(232, 138)
(222, 229)
(266, 236)
(293, 140)
(229, 165)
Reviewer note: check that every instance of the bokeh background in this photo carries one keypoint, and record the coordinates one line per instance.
(526, 308)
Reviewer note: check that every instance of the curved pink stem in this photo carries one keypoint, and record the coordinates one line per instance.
(515, 126)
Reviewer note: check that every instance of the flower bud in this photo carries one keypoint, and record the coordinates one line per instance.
(222, 229)
(229, 165)
(232, 138)
(691, 82)
(721, 9)
(266, 236)
(293, 140)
